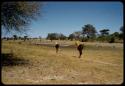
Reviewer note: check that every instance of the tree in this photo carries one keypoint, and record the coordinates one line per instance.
(52, 36)
(15, 37)
(17, 15)
(111, 39)
(56, 36)
(25, 38)
(104, 32)
(77, 35)
(20, 38)
(89, 30)
(40, 38)
(71, 36)
(62, 36)
(115, 34)
(121, 35)
(122, 29)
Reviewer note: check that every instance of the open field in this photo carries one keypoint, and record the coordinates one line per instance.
(27, 63)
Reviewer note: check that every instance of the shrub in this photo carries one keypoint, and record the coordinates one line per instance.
(111, 39)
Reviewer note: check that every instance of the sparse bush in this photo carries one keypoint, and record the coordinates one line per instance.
(111, 39)
(85, 39)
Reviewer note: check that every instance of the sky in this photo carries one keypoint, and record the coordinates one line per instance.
(68, 17)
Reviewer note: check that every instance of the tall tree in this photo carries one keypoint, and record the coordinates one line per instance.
(89, 30)
(17, 15)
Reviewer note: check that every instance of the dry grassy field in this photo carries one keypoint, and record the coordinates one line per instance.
(27, 63)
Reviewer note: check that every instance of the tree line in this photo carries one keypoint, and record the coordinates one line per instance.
(89, 33)
(15, 37)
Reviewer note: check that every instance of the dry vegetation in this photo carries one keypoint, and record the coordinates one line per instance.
(25, 63)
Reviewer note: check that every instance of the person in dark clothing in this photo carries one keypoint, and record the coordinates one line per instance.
(57, 47)
(80, 48)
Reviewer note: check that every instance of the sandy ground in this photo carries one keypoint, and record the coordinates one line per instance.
(39, 64)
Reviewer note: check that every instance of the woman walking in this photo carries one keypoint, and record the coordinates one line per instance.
(79, 48)
(57, 47)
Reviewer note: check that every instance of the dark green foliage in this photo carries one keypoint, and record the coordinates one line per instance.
(111, 39)
(25, 38)
(56, 36)
(17, 15)
(104, 32)
(89, 30)
(121, 35)
(15, 37)
(85, 39)
(71, 37)
(62, 37)
(122, 29)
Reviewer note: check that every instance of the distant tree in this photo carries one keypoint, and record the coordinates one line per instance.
(48, 36)
(77, 35)
(121, 35)
(85, 39)
(62, 36)
(4, 38)
(20, 37)
(104, 36)
(53, 36)
(56, 36)
(115, 34)
(122, 29)
(104, 32)
(15, 37)
(25, 38)
(17, 15)
(40, 38)
(71, 36)
(89, 30)
(111, 39)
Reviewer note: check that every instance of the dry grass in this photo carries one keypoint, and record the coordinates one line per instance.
(41, 65)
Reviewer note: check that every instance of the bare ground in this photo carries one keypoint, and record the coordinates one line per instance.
(39, 64)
